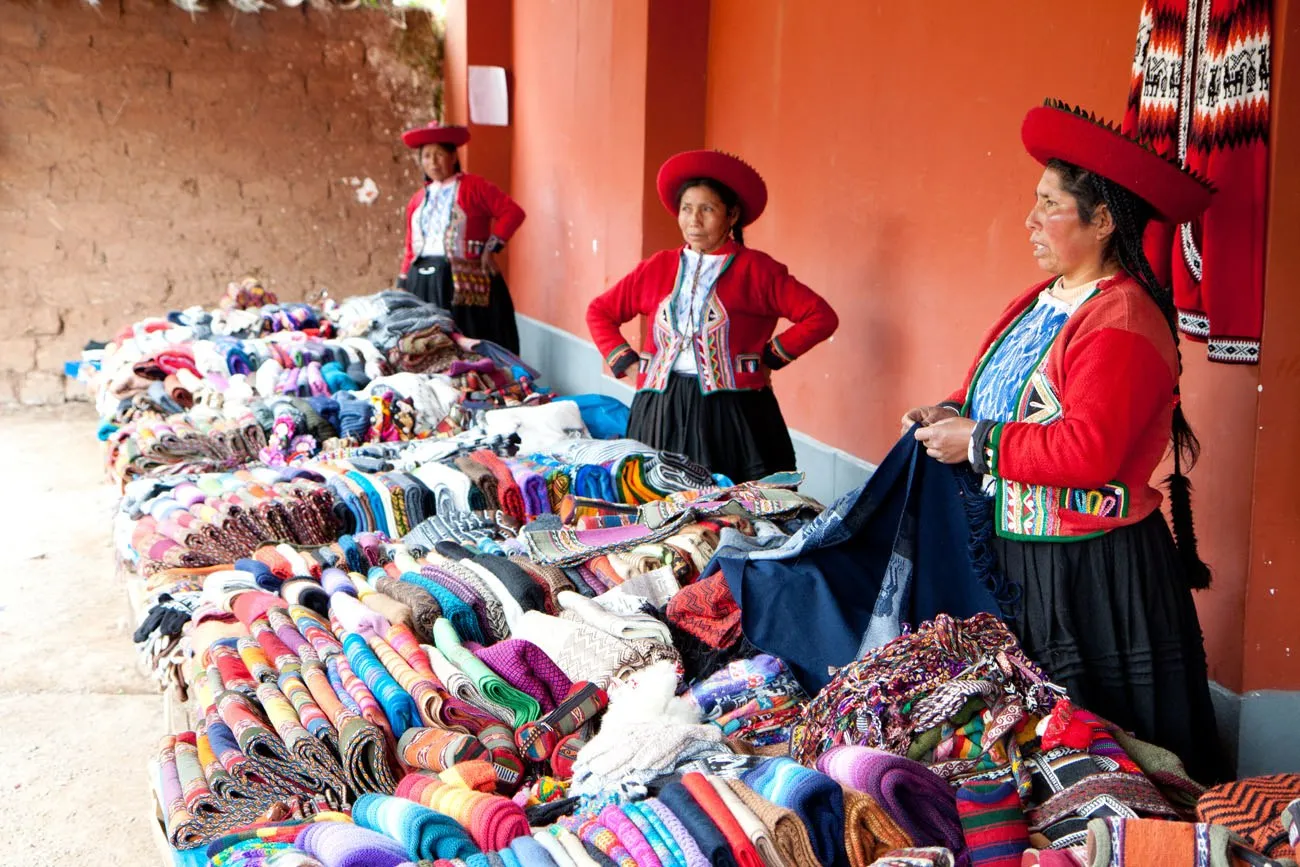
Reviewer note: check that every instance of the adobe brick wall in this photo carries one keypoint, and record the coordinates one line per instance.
(147, 157)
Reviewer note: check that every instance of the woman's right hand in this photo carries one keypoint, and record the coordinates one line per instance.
(925, 415)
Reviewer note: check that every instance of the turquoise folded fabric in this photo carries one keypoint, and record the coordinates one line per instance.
(455, 609)
(426, 834)
(396, 702)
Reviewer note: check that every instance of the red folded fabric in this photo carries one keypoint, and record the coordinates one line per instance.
(508, 493)
(707, 611)
(711, 802)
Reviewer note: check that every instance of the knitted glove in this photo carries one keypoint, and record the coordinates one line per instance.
(167, 618)
(538, 740)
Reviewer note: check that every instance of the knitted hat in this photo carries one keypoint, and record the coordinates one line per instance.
(1056, 130)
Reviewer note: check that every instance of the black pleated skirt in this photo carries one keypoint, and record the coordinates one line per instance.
(429, 279)
(740, 434)
(1111, 619)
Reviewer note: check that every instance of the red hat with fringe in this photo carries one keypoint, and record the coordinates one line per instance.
(737, 174)
(435, 133)
(1057, 130)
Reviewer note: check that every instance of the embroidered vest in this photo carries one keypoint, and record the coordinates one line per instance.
(1029, 512)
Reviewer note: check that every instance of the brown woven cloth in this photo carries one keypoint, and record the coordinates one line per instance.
(788, 832)
(745, 748)
(869, 832)
(1253, 808)
(394, 612)
(425, 610)
(480, 477)
(551, 579)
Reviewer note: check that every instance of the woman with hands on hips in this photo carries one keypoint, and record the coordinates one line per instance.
(455, 226)
(704, 375)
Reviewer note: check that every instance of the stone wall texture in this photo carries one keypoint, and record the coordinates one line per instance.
(149, 156)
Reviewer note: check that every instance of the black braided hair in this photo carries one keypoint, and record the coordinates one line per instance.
(730, 200)
(1124, 247)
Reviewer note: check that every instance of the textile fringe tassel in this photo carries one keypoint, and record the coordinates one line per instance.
(984, 560)
(1195, 571)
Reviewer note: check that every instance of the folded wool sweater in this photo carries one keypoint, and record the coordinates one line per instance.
(423, 833)
(492, 821)
(814, 797)
(919, 800)
(339, 844)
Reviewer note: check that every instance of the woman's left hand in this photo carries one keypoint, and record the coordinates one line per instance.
(489, 263)
(947, 440)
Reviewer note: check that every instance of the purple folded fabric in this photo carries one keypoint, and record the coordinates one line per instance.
(337, 581)
(919, 800)
(537, 499)
(342, 844)
(528, 668)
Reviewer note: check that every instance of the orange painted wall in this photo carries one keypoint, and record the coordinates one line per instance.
(577, 167)
(1272, 635)
(889, 137)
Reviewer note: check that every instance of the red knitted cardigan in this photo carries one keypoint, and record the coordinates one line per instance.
(482, 211)
(735, 348)
(1093, 420)
(1199, 93)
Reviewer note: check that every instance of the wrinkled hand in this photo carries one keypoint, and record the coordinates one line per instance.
(925, 415)
(489, 263)
(947, 440)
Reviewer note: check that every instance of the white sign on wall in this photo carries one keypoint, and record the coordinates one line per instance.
(489, 103)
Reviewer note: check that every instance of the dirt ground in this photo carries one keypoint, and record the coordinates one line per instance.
(78, 720)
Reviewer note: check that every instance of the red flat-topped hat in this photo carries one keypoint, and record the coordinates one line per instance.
(737, 174)
(435, 133)
(1057, 130)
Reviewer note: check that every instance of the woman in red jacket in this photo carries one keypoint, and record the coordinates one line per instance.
(455, 226)
(1068, 410)
(704, 374)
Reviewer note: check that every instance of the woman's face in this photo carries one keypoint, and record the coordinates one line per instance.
(704, 220)
(438, 162)
(1061, 242)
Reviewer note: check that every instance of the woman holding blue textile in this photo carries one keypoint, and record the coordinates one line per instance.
(1068, 410)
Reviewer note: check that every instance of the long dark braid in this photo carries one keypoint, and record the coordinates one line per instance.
(1131, 215)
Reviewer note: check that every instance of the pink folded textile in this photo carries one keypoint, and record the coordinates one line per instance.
(252, 604)
(357, 617)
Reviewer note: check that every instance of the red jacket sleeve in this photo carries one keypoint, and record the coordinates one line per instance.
(408, 254)
(486, 196)
(813, 318)
(617, 305)
(1116, 384)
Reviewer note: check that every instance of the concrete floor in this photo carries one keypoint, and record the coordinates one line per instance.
(78, 720)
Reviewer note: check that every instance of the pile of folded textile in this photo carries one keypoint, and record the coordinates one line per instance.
(421, 617)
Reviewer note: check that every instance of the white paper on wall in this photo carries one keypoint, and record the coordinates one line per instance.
(489, 103)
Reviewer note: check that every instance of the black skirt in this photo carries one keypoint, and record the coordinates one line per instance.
(1111, 619)
(429, 279)
(740, 434)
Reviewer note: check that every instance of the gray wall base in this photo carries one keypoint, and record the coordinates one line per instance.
(1258, 730)
(571, 365)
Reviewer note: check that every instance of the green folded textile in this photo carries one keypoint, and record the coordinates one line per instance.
(494, 688)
